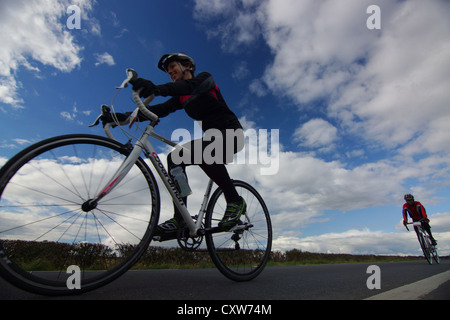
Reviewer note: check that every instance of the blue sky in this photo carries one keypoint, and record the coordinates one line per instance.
(362, 114)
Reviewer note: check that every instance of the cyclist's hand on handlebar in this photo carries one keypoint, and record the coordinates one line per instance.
(405, 223)
(148, 87)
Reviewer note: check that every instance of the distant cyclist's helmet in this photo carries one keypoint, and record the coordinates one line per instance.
(408, 197)
(180, 57)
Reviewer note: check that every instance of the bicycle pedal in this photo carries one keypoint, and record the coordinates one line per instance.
(165, 237)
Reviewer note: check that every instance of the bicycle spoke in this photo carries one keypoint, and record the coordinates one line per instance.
(119, 224)
(124, 216)
(42, 193)
(48, 222)
(61, 167)
(240, 254)
(34, 222)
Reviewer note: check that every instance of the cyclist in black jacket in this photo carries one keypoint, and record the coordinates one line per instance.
(201, 99)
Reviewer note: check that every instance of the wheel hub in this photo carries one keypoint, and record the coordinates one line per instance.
(89, 205)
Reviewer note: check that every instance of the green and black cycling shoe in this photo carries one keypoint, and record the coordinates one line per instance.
(232, 214)
(167, 230)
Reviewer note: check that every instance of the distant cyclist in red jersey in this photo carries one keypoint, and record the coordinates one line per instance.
(417, 212)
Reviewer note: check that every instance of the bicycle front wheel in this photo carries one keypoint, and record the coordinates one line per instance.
(241, 253)
(425, 247)
(45, 228)
(435, 254)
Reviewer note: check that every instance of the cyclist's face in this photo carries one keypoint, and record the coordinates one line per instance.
(175, 72)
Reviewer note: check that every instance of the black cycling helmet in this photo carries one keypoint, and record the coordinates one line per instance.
(408, 197)
(179, 57)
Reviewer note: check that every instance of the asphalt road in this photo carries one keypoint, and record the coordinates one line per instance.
(313, 282)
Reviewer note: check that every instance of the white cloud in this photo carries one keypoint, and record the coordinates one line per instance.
(257, 87)
(305, 188)
(241, 71)
(21, 141)
(104, 58)
(405, 81)
(316, 133)
(388, 89)
(34, 34)
(373, 79)
(68, 115)
(73, 114)
(242, 28)
(210, 8)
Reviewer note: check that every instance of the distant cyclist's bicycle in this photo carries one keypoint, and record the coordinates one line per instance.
(93, 203)
(429, 250)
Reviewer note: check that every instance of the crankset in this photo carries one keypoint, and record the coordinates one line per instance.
(186, 241)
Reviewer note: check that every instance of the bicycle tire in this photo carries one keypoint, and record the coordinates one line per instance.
(225, 248)
(434, 253)
(44, 228)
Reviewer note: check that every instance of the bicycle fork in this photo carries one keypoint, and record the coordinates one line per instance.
(123, 170)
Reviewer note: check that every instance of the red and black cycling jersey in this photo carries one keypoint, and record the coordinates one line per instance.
(416, 211)
(201, 99)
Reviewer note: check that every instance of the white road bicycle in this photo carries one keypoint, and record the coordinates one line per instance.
(92, 202)
(429, 250)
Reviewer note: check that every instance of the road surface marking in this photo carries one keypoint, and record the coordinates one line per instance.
(414, 291)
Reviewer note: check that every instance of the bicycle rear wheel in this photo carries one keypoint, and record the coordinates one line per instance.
(44, 227)
(240, 254)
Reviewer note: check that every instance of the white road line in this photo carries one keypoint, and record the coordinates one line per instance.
(414, 291)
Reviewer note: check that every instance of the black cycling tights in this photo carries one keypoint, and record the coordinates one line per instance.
(215, 171)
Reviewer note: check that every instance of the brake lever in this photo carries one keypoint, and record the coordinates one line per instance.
(105, 110)
(131, 75)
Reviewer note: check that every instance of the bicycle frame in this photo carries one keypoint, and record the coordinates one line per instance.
(418, 228)
(418, 225)
(426, 238)
(169, 183)
(144, 144)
